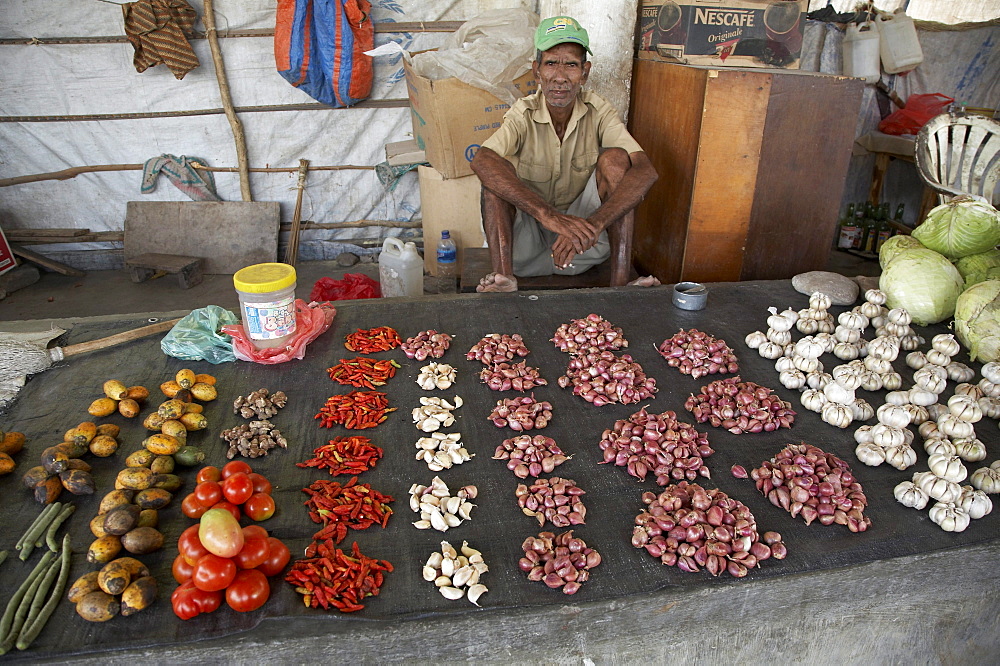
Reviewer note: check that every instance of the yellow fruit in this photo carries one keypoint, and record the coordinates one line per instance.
(102, 407)
(204, 392)
(115, 390)
(185, 378)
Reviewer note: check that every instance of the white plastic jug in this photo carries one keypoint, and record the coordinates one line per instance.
(900, 47)
(861, 51)
(400, 269)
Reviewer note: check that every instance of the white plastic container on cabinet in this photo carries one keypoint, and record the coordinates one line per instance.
(861, 51)
(900, 47)
(401, 269)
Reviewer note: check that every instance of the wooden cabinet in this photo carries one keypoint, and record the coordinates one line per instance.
(752, 165)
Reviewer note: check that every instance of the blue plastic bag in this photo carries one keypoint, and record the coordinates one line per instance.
(198, 336)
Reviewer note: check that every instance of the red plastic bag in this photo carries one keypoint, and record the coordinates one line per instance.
(919, 109)
(310, 321)
(354, 285)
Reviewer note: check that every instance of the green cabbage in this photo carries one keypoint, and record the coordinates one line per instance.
(961, 227)
(892, 247)
(977, 320)
(924, 283)
(978, 267)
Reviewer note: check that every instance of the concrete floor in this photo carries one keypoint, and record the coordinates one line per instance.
(56, 296)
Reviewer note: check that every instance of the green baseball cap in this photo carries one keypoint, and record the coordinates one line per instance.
(561, 30)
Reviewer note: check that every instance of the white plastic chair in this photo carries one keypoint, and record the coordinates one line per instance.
(958, 155)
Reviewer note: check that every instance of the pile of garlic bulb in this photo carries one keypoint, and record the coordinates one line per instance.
(889, 441)
(897, 323)
(815, 318)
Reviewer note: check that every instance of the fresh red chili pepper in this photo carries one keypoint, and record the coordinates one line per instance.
(362, 371)
(345, 455)
(329, 577)
(369, 341)
(339, 507)
(356, 410)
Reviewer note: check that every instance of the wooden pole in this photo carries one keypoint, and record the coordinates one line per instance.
(227, 102)
(292, 251)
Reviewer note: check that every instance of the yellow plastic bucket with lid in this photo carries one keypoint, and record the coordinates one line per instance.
(267, 303)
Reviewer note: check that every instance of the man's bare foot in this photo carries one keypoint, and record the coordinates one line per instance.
(497, 282)
(646, 281)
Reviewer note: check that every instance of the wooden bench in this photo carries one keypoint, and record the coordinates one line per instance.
(188, 269)
(477, 265)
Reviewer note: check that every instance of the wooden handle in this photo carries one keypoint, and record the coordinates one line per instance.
(119, 338)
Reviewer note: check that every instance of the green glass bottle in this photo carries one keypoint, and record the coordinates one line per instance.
(884, 230)
(870, 233)
(848, 230)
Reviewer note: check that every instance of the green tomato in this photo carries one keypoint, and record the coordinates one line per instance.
(220, 533)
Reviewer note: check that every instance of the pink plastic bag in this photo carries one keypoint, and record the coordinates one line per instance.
(311, 320)
(918, 111)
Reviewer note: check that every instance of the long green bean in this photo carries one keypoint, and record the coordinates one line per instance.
(41, 595)
(50, 533)
(17, 607)
(43, 516)
(30, 631)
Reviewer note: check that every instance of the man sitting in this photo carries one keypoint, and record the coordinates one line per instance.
(562, 175)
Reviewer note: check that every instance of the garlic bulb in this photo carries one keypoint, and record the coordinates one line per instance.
(783, 364)
(825, 325)
(878, 365)
(938, 358)
(965, 408)
(755, 339)
(886, 435)
(990, 407)
(929, 429)
(901, 456)
(989, 388)
(922, 397)
(846, 376)
(779, 337)
(918, 413)
(871, 381)
(916, 360)
(949, 517)
(809, 347)
(861, 410)
(909, 494)
(836, 414)
(826, 340)
(806, 364)
(899, 316)
(897, 330)
(778, 322)
(790, 314)
(960, 372)
(870, 310)
(893, 415)
(807, 325)
(938, 446)
(846, 351)
(991, 372)
(817, 380)
(954, 427)
(946, 344)
(935, 411)
(892, 381)
(929, 381)
(863, 435)
(819, 301)
(974, 502)
(851, 319)
(813, 400)
(897, 398)
(986, 479)
(970, 450)
(910, 342)
(844, 334)
(971, 390)
(837, 392)
(876, 296)
(870, 454)
(792, 379)
(949, 468)
(940, 489)
(770, 350)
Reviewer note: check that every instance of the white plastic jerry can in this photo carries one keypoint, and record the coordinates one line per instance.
(900, 47)
(400, 269)
(861, 51)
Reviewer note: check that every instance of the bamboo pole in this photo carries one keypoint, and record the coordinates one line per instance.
(227, 102)
(292, 250)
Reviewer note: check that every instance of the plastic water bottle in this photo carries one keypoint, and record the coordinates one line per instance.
(447, 263)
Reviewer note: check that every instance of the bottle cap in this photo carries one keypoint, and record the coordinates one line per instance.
(445, 234)
(264, 278)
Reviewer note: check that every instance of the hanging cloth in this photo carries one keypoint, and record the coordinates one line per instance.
(157, 30)
(199, 184)
(319, 47)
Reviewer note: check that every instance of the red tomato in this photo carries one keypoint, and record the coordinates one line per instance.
(234, 466)
(254, 553)
(237, 487)
(252, 531)
(213, 573)
(182, 569)
(230, 507)
(192, 508)
(248, 591)
(188, 601)
(220, 533)
(209, 493)
(189, 545)
(259, 507)
(277, 559)
(209, 473)
(260, 483)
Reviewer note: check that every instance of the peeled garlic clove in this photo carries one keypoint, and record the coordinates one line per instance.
(447, 550)
(452, 504)
(451, 593)
(452, 520)
(465, 510)
(422, 524)
(438, 522)
(430, 573)
(469, 551)
(476, 591)
(448, 567)
(462, 576)
(434, 560)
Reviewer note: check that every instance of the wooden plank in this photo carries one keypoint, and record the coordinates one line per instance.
(228, 235)
(14, 234)
(44, 261)
(29, 238)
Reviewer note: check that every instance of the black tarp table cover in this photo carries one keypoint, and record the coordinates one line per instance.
(57, 399)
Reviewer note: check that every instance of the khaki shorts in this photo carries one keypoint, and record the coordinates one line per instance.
(533, 242)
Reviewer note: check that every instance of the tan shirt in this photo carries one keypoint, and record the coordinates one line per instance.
(558, 171)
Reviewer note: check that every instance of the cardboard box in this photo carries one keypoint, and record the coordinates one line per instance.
(722, 33)
(451, 204)
(451, 119)
(7, 260)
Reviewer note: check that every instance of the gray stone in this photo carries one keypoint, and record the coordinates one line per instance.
(18, 277)
(841, 290)
(866, 282)
(347, 259)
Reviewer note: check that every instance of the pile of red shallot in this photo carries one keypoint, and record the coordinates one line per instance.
(656, 444)
(530, 455)
(601, 378)
(740, 407)
(522, 413)
(496, 348)
(558, 500)
(426, 344)
(560, 561)
(587, 334)
(691, 527)
(696, 353)
(808, 482)
(512, 376)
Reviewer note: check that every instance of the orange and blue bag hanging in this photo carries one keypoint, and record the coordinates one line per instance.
(319, 47)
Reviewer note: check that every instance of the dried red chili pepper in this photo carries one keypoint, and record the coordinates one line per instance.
(356, 410)
(369, 341)
(345, 455)
(339, 507)
(329, 577)
(363, 371)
